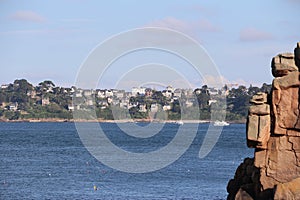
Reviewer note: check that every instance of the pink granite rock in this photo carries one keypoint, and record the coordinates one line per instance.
(273, 129)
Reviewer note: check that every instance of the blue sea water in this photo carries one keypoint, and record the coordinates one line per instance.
(49, 161)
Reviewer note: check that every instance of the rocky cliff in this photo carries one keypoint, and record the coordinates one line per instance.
(273, 129)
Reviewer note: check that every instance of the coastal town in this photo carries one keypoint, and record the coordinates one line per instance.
(21, 100)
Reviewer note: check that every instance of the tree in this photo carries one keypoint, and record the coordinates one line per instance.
(2, 97)
(266, 88)
(176, 107)
(204, 89)
(253, 90)
(47, 84)
(22, 86)
(12, 115)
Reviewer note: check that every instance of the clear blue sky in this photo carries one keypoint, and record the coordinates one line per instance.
(50, 39)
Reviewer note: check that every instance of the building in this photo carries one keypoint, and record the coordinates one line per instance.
(154, 108)
(78, 93)
(142, 108)
(13, 106)
(4, 86)
(71, 108)
(87, 93)
(211, 101)
(213, 91)
(138, 91)
(32, 94)
(170, 88)
(45, 101)
(109, 100)
(119, 94)
(89, 102)
(103, 104)
(100, 93)
(177, 93)
(148, 92)
(167, 107)
(167, 93)
(109, 93)
(189, 93)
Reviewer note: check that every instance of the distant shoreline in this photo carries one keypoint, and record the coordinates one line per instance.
(117, 121)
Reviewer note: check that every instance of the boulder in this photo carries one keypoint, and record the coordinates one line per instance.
(282, 64)
(246, 178)
(260, 158)
(281, 162)
(289, 190)
(263, 109)
(287, 81)
(263, 132)
(258, 124)
(242, 195)
(252, 128)
(285, 110)
(259, 98)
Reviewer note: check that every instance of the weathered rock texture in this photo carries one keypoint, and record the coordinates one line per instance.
(273, 129)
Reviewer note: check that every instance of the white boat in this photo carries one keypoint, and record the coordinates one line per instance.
(221, 123)
(179, 122)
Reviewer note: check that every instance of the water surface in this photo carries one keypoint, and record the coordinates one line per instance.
(48, 161)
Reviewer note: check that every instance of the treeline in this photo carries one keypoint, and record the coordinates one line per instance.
(21, 100)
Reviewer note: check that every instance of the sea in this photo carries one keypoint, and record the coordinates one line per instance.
(49, 161)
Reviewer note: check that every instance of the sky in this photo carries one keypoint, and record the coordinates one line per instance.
(49, 40)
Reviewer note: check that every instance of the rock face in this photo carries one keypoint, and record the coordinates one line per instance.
(273, 129)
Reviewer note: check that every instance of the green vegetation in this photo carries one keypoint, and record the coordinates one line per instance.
(22, 101)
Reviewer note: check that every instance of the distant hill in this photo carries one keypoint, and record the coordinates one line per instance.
(21, 100)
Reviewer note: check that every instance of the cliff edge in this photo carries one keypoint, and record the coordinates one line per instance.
(273, 129)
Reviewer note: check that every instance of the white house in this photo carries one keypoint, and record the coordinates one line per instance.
(148, 92)
(177, 93)
(109, 100)
(87, 92)
(71, 107)
(4, 86)
(45, 101)
(78, 94)
(167, 93)
(135, 91)
(211, 101)
(100, 93)
(31, 93)
(213, 91)
(109, 93)
(142, 108)
(119, 94)
(49, 90)
(167, 107)
(170, 88)
(13, 106)
(89, 102)
(154, 108)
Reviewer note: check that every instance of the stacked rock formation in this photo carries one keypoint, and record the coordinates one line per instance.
(273, 129)
(258, 129)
